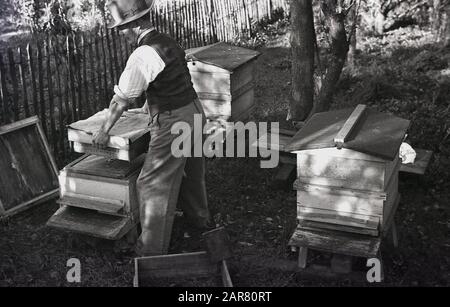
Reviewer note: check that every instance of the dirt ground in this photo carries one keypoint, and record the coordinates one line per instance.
(402, 72)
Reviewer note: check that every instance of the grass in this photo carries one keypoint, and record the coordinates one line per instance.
(403, 73)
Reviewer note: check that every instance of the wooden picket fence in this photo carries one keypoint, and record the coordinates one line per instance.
(66, 78)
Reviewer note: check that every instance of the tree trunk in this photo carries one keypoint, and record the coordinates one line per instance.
(338, 53)
(439, 19)
(302, 45)
(352, 50)
(446, 26)
(436, 18)
(379, 18)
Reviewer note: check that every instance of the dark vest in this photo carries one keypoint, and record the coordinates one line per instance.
(173, 85)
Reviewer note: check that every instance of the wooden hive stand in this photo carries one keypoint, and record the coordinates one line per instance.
(344, 247)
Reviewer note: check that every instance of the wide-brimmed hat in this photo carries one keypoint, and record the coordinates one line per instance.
(125, 11)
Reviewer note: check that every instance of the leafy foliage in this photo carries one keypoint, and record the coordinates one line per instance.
(55, 16)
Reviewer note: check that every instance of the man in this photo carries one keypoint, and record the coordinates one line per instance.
(158, 69)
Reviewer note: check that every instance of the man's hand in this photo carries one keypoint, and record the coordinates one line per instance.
(100, 139)
(116, 108)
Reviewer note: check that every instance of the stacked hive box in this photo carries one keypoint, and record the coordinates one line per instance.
(98, 191)
(352, 189)
(345, 190)
(223, 77)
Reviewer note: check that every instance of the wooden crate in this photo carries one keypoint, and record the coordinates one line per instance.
(223, 77)
(179, 266)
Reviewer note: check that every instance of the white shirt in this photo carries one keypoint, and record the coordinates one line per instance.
(143, 66)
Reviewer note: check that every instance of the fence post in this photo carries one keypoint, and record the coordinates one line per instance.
(23, 82)
(212, 21)
(192, 29)
(78, 60)
(83, 51)
(51, 108)
(93, 70)
(33, 79)
(60, 98)
(114, 52)
(122, 60)
(4, 92)
(12, 72)
(41, 89)
(98, 69)
(105, 81)
(249, 23)
(71, 79)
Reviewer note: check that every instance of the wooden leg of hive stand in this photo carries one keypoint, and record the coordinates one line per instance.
(132, 236)
(394, 235)
(381, 266)
(302, 255)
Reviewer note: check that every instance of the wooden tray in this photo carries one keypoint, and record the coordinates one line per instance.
(129, 137)
(28, 173)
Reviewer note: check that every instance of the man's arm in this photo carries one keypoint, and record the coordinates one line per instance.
(116, 107)
(143, 65)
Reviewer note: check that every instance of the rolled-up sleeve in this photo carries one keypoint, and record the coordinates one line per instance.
(143, 66)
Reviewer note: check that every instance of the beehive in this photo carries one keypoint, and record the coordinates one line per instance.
(353, 188)
(98, 197)
(223, 77)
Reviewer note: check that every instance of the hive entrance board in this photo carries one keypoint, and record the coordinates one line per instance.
(129, 137)
(28, 171)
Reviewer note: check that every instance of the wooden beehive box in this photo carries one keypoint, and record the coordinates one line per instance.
(352, 187)
(98, 197)
(223, 77)
(129, 137)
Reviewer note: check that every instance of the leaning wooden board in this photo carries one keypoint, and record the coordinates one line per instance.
(28, 171)
(129, 137)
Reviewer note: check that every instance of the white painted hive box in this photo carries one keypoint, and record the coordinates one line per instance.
(224, 79)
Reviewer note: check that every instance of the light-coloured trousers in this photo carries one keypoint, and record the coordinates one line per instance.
(165, 180)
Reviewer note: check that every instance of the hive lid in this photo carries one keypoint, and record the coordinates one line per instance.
(222, 55)
(377, 134)
(129, 127)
